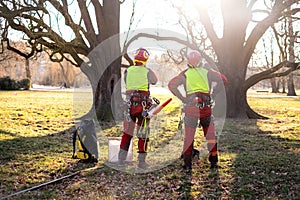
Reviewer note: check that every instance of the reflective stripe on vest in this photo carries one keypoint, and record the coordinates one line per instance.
(196, 80)
(137, 78)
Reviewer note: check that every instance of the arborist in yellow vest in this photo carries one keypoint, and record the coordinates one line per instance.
(137, 79)
(196, 81)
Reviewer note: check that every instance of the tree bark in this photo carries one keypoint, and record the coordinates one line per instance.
(291, 52)
(283, 85)
(274, 85)
(107, 97)
(28, 72)
(236, 99)
(291, 86)
(105, 72)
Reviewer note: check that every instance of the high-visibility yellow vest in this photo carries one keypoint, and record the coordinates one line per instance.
(196, 80)
(137, 78)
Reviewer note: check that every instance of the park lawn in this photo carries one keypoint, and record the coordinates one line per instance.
(259, 159)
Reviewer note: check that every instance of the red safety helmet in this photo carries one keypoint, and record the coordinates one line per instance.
(141, 56)
(194, 59)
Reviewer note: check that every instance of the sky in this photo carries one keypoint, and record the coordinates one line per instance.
(159, 13)
(148, 14)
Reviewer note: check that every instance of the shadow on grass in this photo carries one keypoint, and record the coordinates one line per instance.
(12, 149)
(8, 133)
(254, 165)
(30, 161)
(264, 166)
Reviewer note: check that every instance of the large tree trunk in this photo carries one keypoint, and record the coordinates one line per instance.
(236, 99)
(106, 87)
(235, 91)
(103, 68)
(235, 70)
(107, 97)
(232, 63)
(107, 59)
(291, 50)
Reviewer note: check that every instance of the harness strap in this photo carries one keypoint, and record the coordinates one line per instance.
(138, 98)
(199, 100)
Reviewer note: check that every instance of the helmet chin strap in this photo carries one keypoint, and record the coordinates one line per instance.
(190, 65)
(200, 64)
(139, 63)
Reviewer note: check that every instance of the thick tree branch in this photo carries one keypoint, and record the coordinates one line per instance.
(19, 52)
(251, 4)
(39, 32)
(99, 17)
(211, 33)
(63, 9)
(271, 73)
(91, 36)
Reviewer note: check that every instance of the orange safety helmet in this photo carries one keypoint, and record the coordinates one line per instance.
(141, 56)
(194, 59)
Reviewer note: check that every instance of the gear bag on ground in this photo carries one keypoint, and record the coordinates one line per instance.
(85, 143)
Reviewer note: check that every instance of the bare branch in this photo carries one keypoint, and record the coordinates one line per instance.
(251, 4)
(180, 41)
(276, 13)
(271, 73)
(99, 17)
(88, 23)
(205, 20)
(177, 59)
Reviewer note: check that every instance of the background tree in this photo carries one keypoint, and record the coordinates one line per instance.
(291, 52)
(26, 51)
(12, 63)
(5, 57)
(234, 46)
(276, 45)
(86, 25)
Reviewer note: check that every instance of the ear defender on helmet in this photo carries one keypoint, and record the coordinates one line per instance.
(141, 56)
(194, 59)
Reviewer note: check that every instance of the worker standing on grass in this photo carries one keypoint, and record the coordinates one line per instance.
(197, 81)
(137, 80)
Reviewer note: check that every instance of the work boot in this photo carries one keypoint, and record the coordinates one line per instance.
(142, 161)
(196, 153)
(122, 157)
(187, 162)
(213, 162)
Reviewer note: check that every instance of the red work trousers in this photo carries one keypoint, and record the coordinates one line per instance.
(129, 127)
(192, 116)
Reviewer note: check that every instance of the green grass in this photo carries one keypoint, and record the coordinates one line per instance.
(259, 159)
